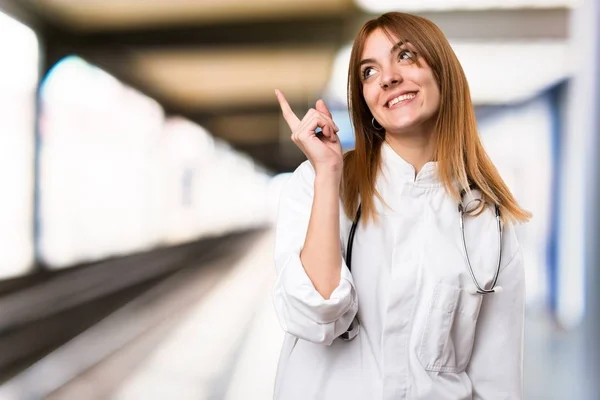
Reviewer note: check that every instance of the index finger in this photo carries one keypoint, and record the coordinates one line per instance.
(289, 116)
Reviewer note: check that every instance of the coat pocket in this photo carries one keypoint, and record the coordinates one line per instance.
(449, 331)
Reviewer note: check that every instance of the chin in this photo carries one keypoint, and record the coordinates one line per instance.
(407, 123)
(402, 126)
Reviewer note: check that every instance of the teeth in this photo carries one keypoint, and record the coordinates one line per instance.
(401, 98)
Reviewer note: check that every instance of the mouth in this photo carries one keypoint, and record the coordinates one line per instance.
(401, 100)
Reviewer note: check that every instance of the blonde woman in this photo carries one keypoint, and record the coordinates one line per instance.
(432, 307)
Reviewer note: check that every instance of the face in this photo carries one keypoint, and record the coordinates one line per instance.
(402, 96)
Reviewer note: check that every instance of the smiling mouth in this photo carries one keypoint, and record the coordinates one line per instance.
(404, 98)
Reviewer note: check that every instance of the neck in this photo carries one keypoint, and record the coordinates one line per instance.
(416, 149)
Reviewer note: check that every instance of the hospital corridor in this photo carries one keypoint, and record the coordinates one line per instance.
(143, 153)
(222, 340)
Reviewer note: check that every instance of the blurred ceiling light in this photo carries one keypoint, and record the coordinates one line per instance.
(380, 6)
(89, 15)
(498, 73)
(235, 77)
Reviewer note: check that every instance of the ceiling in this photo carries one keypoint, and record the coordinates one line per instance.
(217, 61)
(99, 15)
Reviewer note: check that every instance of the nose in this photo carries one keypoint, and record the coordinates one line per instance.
(390, 79)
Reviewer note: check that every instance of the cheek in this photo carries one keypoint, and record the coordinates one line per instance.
(434, 86)
(433, 93)
(436, 95)
(370, 97)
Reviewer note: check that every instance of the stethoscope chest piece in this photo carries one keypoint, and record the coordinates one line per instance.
(352, 331)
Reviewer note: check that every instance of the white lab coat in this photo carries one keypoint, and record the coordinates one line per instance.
(423, 334)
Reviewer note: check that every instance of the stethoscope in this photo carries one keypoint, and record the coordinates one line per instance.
(462, 210)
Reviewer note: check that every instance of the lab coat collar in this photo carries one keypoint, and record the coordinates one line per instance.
(399, 168)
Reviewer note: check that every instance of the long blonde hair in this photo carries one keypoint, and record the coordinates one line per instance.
(459, 152)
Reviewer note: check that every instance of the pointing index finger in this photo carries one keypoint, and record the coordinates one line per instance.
(289, 116)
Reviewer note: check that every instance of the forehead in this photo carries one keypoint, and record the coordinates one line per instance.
(379, 43)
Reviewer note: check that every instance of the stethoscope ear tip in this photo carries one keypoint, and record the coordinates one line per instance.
(498, 289)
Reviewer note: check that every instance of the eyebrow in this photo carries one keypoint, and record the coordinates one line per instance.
(398, 45)
(392, 51)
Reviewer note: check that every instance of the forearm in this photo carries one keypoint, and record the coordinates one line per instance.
(321, 255)
(320, 307)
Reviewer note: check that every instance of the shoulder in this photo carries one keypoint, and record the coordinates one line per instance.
(302, 178)
(298, 190)
(306, 172)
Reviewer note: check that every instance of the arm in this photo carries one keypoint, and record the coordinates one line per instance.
(314, 294)
(496, 365)
(320, 255)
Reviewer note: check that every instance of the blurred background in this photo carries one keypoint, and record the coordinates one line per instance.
(141, 155)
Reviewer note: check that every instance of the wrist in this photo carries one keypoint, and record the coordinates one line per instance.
(328, 177)
(328, 172)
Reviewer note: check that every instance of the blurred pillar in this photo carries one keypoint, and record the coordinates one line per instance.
(593, 283)
(585, 124)
(578, 217)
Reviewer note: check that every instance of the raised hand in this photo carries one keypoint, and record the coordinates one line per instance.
(323, 149)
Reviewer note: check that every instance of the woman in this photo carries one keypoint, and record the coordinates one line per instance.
(419, 327)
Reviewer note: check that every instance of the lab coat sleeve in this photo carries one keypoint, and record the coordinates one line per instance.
(300, 308)
(496, 365)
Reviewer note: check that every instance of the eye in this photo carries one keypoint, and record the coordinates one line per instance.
(406, 56)
(367, 72)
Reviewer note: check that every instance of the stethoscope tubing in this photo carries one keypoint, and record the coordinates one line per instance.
(478, 288)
